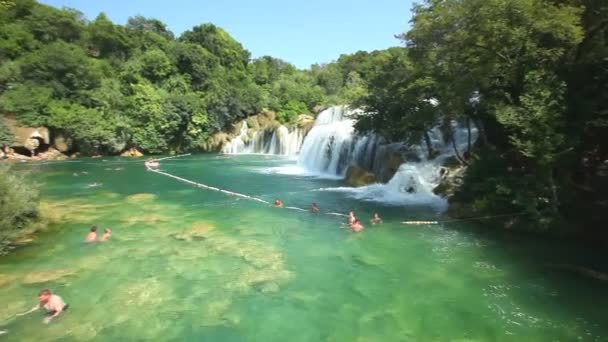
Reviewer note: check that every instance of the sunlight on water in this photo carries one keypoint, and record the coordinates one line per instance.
(189, 264)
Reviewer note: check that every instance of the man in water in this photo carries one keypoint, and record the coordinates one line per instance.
(278, 203)
(106, 235)
(52, 303)
(351, 218)
(92, 235)
(314, 209)
(356, 226)
(376, 219)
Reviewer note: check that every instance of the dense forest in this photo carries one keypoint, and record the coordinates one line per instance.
(531, 75)
(108, 86)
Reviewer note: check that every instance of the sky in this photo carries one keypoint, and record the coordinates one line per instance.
(302, 32)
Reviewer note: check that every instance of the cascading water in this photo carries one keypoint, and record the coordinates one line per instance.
(277, 141)
(331, 147)
(237, 145)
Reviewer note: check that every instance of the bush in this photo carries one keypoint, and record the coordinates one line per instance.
(18, 206)
(289, 113)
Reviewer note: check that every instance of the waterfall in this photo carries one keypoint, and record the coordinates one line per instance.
(276, 141)
(332, 146)
(237, 145)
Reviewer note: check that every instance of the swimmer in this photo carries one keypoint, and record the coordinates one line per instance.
(278, 203)
(92, 235)
(52, 303)
(314, 209)
(356, 226)
(376, 219)
(107, 233)
(351, 218)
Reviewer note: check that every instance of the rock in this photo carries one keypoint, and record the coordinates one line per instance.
(451, 179)
(252, 123)
(318, 109)
(267, 119)
(216, 142)
(52, 154)
(62, 143)
(132, 153)
(358, 176)
(24, 135)
(392, 162)
(305, 122)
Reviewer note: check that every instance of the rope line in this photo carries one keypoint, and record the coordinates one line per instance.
(463, 219)
(200, 185)
(171, 157)
(231, 193)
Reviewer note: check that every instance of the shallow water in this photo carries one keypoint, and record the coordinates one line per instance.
(190, 264)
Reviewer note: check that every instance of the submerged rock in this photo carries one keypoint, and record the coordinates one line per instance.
(198, 231)
(6, 279)
(358, 176)
(136, 198)
(38, 277)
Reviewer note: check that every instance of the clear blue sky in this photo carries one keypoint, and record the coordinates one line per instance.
(301, 32)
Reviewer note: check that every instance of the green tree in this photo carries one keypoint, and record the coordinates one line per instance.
(19, 209)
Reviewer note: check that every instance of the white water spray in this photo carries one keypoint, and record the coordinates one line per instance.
(331, 147)
(277, 141)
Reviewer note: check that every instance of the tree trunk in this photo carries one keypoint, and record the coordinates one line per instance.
(457, 154)
(429, 147)
(468, 137)
(482, 131)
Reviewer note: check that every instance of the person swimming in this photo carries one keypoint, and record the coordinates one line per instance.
(351, 218)
(52, 303)
(278, 203)
(314, 209)
(356, 226)
(92, 235)
(107, 233)
(376, 219)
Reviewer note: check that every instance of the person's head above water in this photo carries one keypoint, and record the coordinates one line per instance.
(107, 231)
(44, 295)
(94, 229)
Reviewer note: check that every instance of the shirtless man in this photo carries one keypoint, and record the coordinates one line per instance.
(376, 219)
(357, 226)
(278, 203)
(52, 303)
(351, 218)
(314, 209)
(106, 235)
(92, 235)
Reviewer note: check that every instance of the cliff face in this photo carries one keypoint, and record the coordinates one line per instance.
(27, 137)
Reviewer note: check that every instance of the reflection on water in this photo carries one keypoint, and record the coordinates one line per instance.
(186, 264)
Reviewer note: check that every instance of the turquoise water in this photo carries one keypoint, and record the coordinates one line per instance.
(187, 264)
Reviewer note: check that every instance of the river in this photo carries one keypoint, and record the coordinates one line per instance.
(189, 264)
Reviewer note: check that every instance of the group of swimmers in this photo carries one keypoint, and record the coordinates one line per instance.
(52, 303)
(353, 222)
(92, 235)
